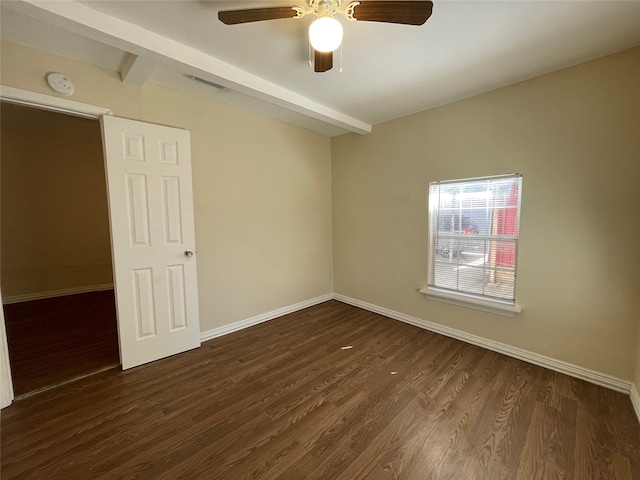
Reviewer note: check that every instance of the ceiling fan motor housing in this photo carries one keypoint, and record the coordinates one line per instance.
(326, 8)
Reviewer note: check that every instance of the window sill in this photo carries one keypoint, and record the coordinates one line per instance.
(471, 301)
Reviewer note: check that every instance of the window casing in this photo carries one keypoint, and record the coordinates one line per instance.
(473, 239)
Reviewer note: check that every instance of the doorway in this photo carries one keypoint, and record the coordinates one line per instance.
(55, 262)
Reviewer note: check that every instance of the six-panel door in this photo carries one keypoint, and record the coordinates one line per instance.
(152, 231)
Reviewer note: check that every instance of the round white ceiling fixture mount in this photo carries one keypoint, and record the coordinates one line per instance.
(61, 83)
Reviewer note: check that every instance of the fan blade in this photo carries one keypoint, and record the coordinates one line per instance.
(233, 17)
(404, 12)
(322, 61)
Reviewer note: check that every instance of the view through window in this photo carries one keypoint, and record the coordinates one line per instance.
(474, 226)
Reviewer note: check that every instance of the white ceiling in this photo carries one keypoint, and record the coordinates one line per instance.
(465, 48)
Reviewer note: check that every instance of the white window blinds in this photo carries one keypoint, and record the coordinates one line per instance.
(474, 225)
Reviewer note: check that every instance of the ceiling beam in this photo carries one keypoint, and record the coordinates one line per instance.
(86, 21)
(137, 70)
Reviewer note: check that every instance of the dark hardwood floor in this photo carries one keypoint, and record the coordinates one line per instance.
(55, 340)
(286, 400)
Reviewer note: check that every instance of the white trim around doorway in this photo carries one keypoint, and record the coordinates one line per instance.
(49, 102)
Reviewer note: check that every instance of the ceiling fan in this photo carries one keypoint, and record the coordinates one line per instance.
(325, 32)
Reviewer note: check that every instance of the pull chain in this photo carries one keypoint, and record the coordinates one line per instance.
(341, 69)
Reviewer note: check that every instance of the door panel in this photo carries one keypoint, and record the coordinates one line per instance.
(151, 215)
(137, 197)
(172, 213)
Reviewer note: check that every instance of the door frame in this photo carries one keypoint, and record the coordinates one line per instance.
(54, 104)
(51, 103)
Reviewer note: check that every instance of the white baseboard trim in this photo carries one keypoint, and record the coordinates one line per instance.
(56, 293)
(582, 373)
(249, 322)
(635, 399)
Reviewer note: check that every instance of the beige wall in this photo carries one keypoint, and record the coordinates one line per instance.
(262, 188)
(55, 225)
(575, 136)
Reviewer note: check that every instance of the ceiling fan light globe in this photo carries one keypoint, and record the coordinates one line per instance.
(325, 34)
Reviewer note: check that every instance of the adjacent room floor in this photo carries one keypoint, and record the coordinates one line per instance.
(56, 340)
(331, 392)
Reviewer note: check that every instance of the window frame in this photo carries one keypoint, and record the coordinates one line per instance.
(453, 296)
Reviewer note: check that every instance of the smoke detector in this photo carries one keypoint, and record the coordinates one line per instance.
(61, 83)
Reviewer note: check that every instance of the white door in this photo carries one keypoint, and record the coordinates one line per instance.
(152, 238)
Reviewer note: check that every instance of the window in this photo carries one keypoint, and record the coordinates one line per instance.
(473, 238)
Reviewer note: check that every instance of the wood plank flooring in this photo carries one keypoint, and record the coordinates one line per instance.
(54, 340)
(286, 400)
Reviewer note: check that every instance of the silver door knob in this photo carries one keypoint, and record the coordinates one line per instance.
(188, 253)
